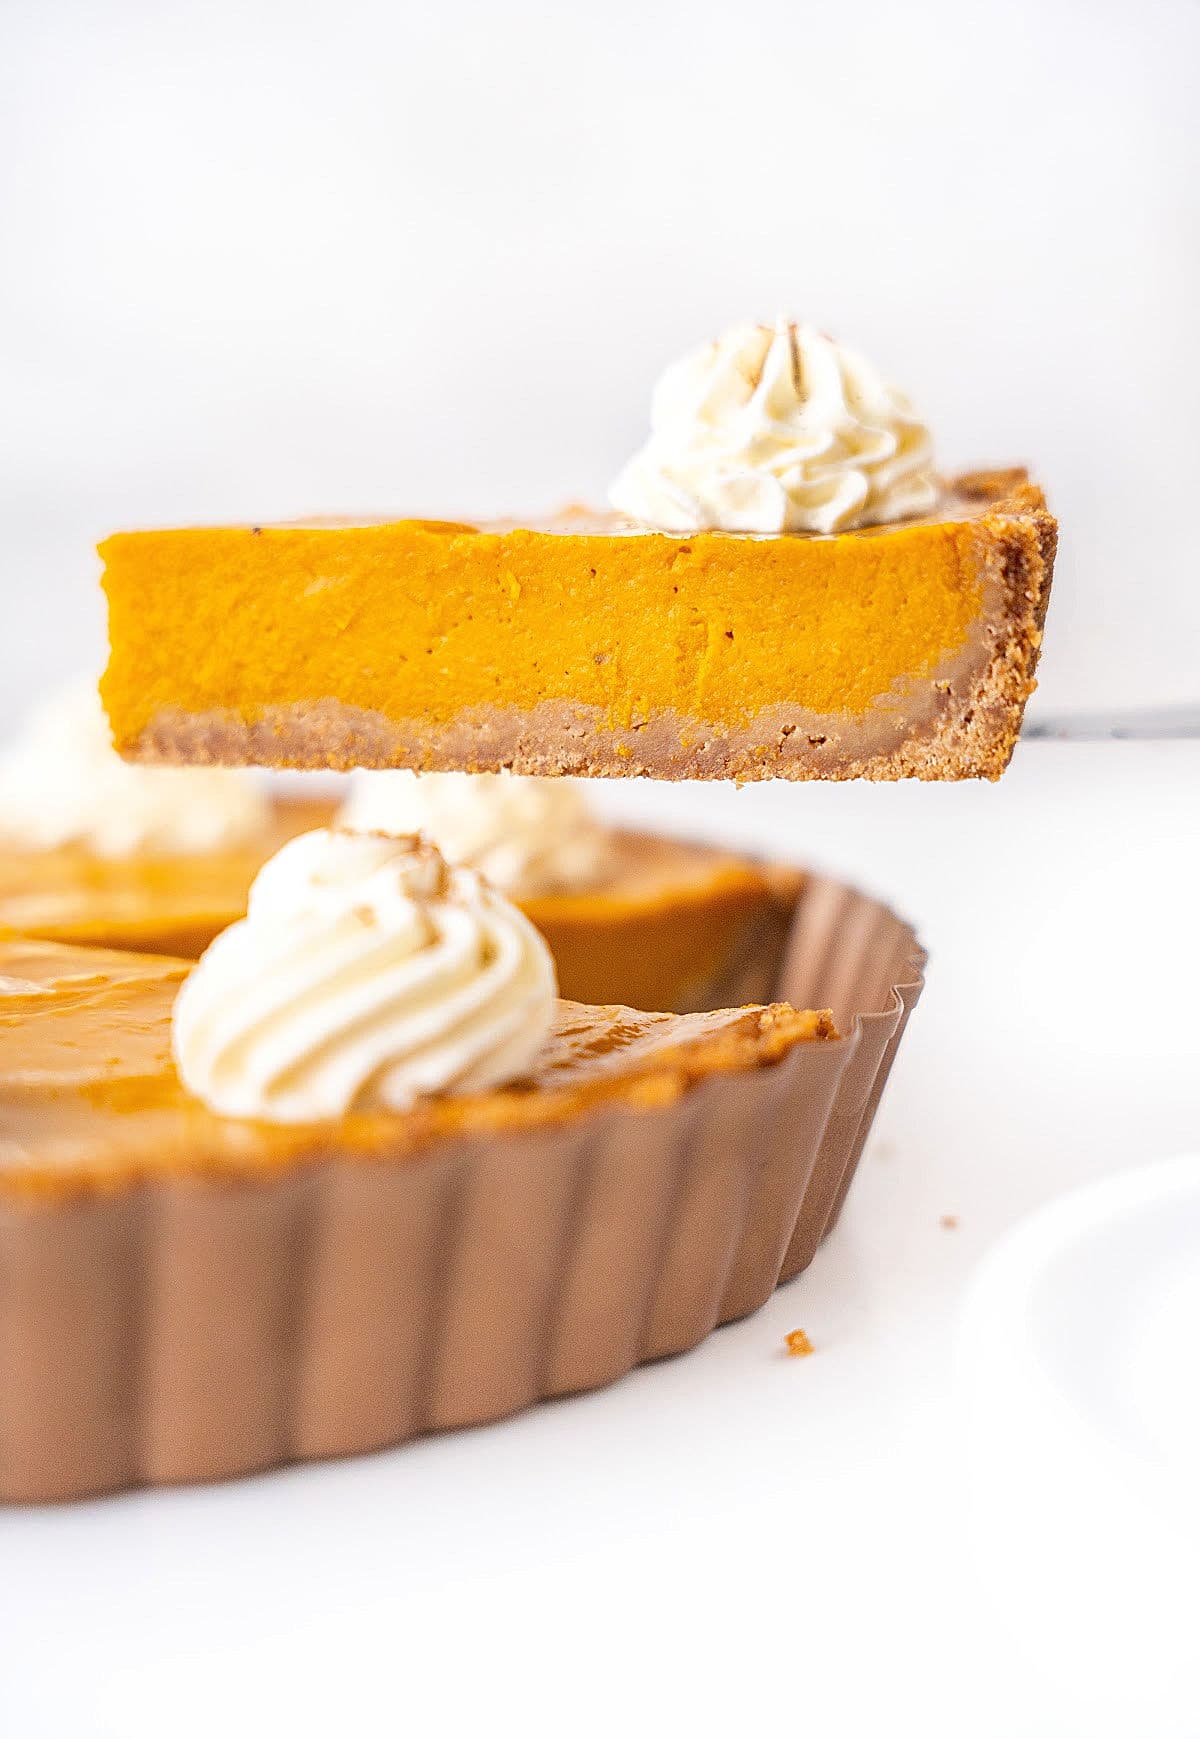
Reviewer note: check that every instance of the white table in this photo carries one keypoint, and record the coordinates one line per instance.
(734, 1541)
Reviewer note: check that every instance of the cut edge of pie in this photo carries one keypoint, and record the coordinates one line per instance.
(968, 584)
(673, 925)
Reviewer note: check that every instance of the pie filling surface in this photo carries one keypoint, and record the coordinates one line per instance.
(663, 926)
(89, 1097)
(164, 904)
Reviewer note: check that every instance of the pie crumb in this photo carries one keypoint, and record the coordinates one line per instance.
(798, 1344)
(949, 1222)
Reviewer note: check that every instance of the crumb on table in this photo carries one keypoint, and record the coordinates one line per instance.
(798, 1344)
(949, 1222)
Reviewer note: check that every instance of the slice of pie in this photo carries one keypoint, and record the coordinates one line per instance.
(588, 644)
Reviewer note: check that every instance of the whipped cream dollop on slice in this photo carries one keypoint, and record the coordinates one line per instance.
(366, 974)
(62, 783)
(527, 836)
(774, 429)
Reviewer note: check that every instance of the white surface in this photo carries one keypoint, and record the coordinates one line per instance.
(265, 259)
(1081, 1386)
(734, 1542)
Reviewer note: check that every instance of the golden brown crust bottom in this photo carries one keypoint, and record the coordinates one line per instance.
(963, 726)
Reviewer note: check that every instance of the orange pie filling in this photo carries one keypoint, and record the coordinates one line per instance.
(90, 1099)
(672, 926)
(146, 902)
(583, 645)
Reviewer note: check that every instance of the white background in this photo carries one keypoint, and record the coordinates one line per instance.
(266, 259)
(262, 258)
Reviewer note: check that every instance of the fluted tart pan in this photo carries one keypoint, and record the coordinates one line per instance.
(180, 1327)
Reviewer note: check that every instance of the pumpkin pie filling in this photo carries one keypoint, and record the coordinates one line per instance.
(586, 645)
(146, 902)
(673, 926)
(90, 1100)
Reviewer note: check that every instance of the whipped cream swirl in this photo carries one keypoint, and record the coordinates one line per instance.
(527, 836)
(777, 429)
(63, 784)
(366, 974)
